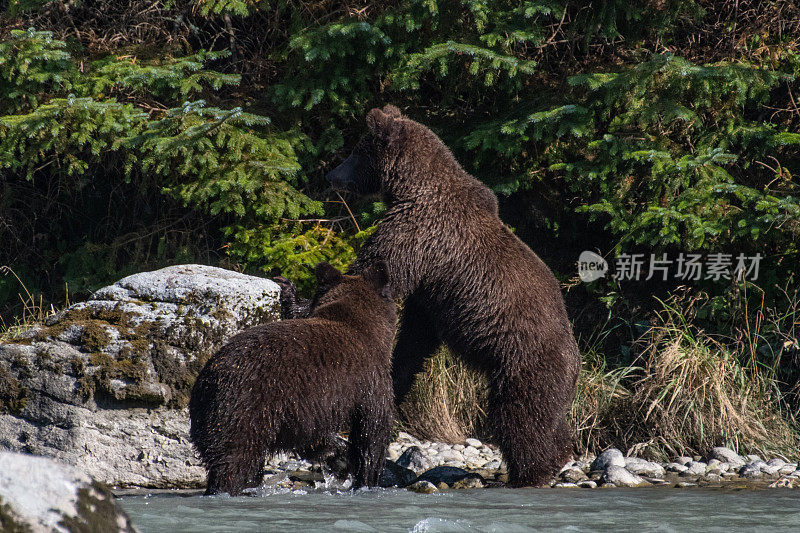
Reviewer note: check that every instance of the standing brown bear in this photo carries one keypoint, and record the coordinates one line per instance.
(294, 384)
(469, 282)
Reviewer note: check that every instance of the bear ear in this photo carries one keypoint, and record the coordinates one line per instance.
(392, 111)
(380, 123)
(377, 275)
(327, 275)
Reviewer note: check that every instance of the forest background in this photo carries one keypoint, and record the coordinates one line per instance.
(135, 135)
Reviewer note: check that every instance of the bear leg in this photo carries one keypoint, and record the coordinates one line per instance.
(370, 433)
(529, 423)
(416, 341)
(242, 468)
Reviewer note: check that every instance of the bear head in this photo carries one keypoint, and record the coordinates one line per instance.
(393, 158)
(333, 286)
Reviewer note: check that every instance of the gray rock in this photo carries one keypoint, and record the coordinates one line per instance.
(753, 458)
(588, 484)
(573, 475)
(675, 467)
(683, 460)
(472, 482)
(40, 495)
(451, 456)
(493, 465)
(684, 484)
(414, 459)
(394, 475)
(423, 487)
(644, 467)
(656, 480)
(307, 476)
(718, 465)
(695, 468)
(752, 470)
(776, 461)
(475, 443)
(610, 457)
(446, 474)
(470, 451)
(620, 477)
(107, 380)
(565, 485)
(726, 455)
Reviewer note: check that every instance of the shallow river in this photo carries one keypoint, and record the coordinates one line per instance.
(496, 510)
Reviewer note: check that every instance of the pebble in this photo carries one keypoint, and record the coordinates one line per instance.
(470, 451)
(695, 468)
(469, 483)
(683, 460)
(675, 467)
(423, 487)
(573, 475)
(475, 443)
(587, 484)
(565, 485)
(753, 470)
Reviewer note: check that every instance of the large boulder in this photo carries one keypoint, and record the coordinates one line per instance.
(105, 384)
(38, 494)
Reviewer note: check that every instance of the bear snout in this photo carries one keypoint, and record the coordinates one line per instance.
(342, 176)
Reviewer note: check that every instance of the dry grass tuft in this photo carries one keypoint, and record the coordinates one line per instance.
(447, 402)
(34, 311)
(693, 392)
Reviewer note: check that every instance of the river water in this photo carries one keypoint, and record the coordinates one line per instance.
(478, 510)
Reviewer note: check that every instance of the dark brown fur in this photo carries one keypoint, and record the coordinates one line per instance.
(293, 384)
(471, 283)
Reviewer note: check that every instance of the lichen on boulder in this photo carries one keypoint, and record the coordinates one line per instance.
(39, 494)
(104, 384)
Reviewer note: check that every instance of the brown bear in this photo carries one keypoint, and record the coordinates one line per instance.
(293, 385)
(469, 282)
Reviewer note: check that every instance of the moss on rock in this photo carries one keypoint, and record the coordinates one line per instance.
(13, 395)
(9, 523)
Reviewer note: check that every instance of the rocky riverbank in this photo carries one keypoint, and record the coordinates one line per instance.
(425, 466)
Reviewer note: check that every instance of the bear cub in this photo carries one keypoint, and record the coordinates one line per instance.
(293, 385)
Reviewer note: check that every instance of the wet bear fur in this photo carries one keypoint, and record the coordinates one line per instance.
(467, 281)
(293, 385)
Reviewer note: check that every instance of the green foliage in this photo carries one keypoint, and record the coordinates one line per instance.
(62, 124)
(294, 250)
(661, 153)
(591, 135)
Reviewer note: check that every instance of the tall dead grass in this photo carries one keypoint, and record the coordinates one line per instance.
(685, 392)
(694, 392)
(447, 402)
(34, 310)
